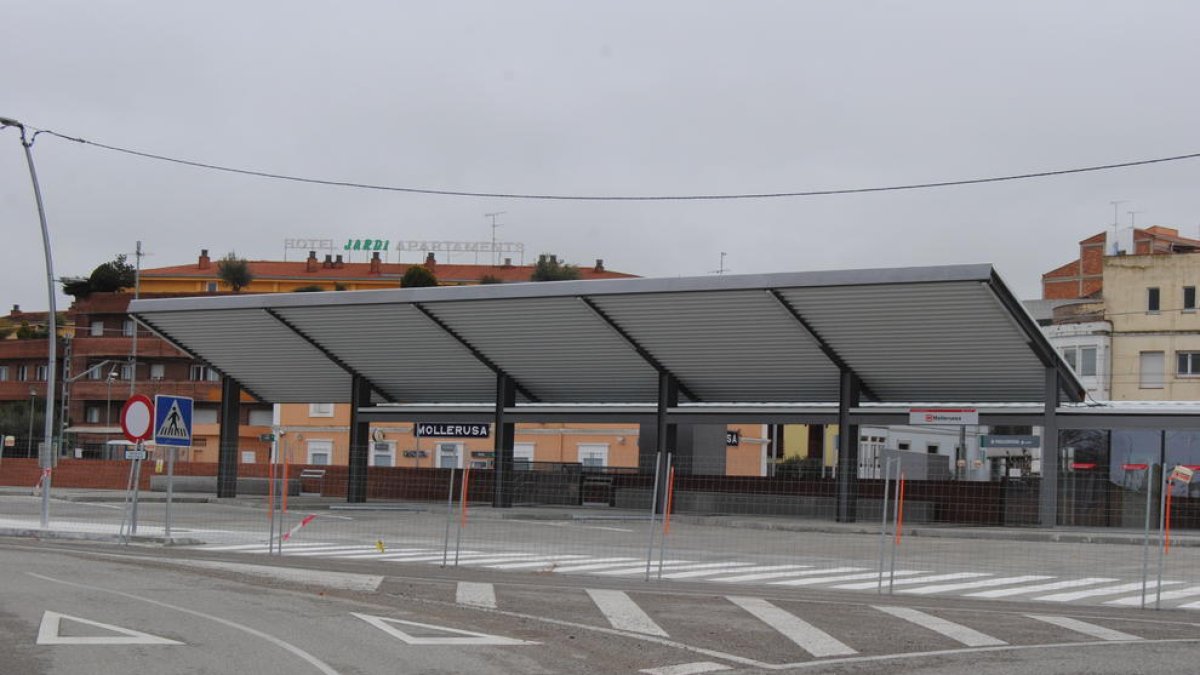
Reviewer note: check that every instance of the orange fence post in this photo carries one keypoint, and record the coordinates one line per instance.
(271, 493)
(900, 512)
(285, 481)
(465, 487)
(670, 496)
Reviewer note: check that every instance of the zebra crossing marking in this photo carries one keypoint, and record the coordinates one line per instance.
(686, 669)
(475, 594)
(812, 581)
(997, 581)
(912, 580)
(640, 567)
(783, 569)
(597, 564)
(1089, 629)
(535, 563)
(1151, 597)
(708, 570)
(807, 636)
(965, 636)
(1038, 588)
(1107, 590)
(623, 613)
(779, 575)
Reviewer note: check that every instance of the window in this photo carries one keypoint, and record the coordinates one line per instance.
(212, 287)
(247, 457)
(383, 453)
(127, 328)
(22, 373)
(204, 416)
(127, 372)
(1189, 298)
(201, 373)
(1081, 359)
(157, 371)
(903, 445)
(320, 410)
(1152, 300)
(92, 414)
(523, 456)
(931, 448)
(593, 455)
(449, 455)
(261, 418)
(1189, 363)
(320, 452)
(3, 373)
(97, 329)
(40, 374)
(1150, 370)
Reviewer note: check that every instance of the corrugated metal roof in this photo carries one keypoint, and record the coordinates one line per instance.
(935, 333)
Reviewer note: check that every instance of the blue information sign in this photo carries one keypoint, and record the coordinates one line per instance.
(173, 421)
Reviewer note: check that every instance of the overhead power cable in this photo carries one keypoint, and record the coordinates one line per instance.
(619, 198)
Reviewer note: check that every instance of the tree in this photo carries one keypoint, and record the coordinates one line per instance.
(548, 268)
(108, 277)
(418, 276)
(234, 271)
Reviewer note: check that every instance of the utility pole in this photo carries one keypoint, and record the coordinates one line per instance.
(137, 287)
(493, 216)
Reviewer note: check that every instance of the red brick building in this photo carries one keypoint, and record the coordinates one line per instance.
(1084, 276)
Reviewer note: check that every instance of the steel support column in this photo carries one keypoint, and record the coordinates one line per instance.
(666, 433)
(505, 439)
(847, 467)
(1048, 496)
(227, 451)
(360, 441)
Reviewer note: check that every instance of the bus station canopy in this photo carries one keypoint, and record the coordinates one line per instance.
(948, 333)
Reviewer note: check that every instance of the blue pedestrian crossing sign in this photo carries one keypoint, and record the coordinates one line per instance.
(173, 420)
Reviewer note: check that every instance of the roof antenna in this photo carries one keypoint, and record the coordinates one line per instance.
(722, 269)
(493, 216)
(1114, 248)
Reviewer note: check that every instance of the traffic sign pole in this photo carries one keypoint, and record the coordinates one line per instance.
(172, 429)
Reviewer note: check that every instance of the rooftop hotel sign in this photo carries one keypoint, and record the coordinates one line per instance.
(402, 245)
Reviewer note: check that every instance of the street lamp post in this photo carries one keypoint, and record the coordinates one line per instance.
(51, 316)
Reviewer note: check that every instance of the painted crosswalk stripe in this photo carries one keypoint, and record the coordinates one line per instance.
(534, 563)
(1107, 590)
(623, 613)
(1089, 629)
(1040, 588)
(640, 567)
(761, 569)
(686, 669)
(716, 568)
(778, 575)
(595, 564)
(476, 594)
(959, 633)
(984, 583)
(1190, 605)
(394, 551)
(1152, 597)
(522, 558)
(810, 638)
(813, 581)
(912, 580)
(333, 553)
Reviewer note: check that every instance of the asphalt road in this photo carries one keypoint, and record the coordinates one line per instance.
(100, 608)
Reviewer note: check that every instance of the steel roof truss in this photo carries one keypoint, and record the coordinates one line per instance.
(329, 354)
(828, 351)
(474, 352)
(176, 344)
(641, 351)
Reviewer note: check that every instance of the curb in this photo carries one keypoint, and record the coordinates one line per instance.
(32, 533)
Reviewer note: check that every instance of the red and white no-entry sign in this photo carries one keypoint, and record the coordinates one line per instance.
(137, 418)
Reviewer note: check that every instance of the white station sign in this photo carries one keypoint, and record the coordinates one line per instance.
(968, 416)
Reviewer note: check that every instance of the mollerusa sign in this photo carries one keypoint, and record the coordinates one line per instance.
(426, 430)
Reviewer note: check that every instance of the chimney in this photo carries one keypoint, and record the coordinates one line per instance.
(430, 261)
(376, 264)
(310, 265)
(337, 263)
(599, 265)
(328, 261)
(553, 260)
(508, 262)
(204, 259)
(16, 311)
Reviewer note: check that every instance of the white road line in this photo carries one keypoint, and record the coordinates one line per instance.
(640, 568)
(966, 636)
(910, 580)
(395, 551)
(1190, 605)
(475, 594)
(686, 669)
(595, 564)
(812, 581)
(1038, 588)
(777, 575)
(810, 638)
(786, 569)
(725, 568)
(1090, 629)
(998, 581)
(537, 563)
(1151, 597)
(1107, 590)
(333, 552)
(533, 561)
(623, 613)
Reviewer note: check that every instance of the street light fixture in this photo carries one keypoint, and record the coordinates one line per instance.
(51, 316)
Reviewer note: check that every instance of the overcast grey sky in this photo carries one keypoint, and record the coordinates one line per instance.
(598, 98)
